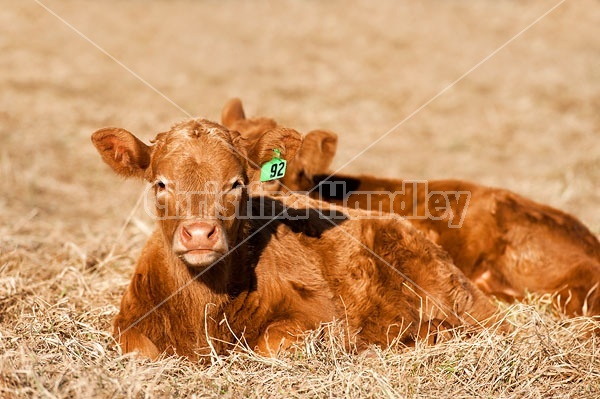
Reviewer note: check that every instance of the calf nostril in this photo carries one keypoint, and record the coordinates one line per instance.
(185, 233)
(212, 233)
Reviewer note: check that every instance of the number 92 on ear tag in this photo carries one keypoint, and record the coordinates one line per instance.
(274, 169)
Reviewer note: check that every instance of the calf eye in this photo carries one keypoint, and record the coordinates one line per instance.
(161, 185)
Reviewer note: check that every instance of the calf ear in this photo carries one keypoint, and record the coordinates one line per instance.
(317, 151)
(232, 112)
(122, 151)
(260, 150)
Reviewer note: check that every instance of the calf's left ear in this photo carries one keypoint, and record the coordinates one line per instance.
(122, 151)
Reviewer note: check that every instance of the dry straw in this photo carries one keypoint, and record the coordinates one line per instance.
(55, 343)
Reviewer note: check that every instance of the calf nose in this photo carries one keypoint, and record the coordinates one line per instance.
(199, 235)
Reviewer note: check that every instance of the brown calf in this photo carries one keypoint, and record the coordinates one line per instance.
(225, 266)
(507, 244)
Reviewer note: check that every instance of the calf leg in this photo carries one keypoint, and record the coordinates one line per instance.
(449, 296)
(132, 340)
(279, 336)
(469, 304)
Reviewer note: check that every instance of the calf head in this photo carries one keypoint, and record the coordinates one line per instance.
(313, 158)
(199, 173)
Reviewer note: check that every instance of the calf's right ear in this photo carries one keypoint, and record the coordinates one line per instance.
(122, 151)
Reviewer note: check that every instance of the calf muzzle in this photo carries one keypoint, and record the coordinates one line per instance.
(199, 243)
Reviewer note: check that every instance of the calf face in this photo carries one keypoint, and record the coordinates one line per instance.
(199, 172)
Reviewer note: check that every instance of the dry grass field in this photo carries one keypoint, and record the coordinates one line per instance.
(528, 119)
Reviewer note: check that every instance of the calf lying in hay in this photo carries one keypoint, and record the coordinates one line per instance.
(224, 265)
(506, 244)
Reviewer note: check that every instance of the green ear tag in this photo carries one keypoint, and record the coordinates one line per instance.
(274, 169)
